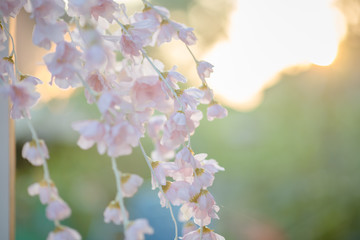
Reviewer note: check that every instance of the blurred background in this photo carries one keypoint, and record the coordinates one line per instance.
(289, 74)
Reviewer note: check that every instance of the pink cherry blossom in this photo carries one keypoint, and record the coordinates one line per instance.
(155, 125)
(64, 233)
(57, 209)
(47, 11)
(23, 96)
(203, 178)
(161, 152)
(142, 30)
(176, 192)
(98, 83)
(97, 53)
(165, 33)
(95, 57)
(161, 170)
(189, 97)
(185, 173)
(187, 35)
(122, 138)
(204, 69)
(189, 226)
(108, 101)
(206, 235)
(211, 165)
(202, 206)
(94, 8)
(64, 64)
(147, 92)
(104, 8)
(113, 213)
(45, 189)
(45, 33)
(216, 111)
(136, 229)
(179, 126)
(34, 154)
(208, 95)
(10, 8)
(130, 184)
(91, 132)
(173, 76)
(152, 13)
(186, 157)
(130, 46)
(138, 119)
(175, 130)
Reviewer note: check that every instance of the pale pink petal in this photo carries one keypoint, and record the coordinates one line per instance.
(57, 209)
(34, 154)
(204, 69)
(136, 230)
(216, 111)
(113, 213)
(64, 233)
(130, 184)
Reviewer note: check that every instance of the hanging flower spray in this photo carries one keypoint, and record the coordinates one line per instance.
(136, 96)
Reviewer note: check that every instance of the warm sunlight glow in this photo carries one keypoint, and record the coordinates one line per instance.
(266, 37)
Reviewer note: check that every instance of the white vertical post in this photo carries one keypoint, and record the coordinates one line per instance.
(7, 170)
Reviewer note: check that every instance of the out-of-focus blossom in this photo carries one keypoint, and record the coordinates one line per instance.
(208, 95)
(137, 229)
(122, 138)
(113, 213)
(91, 132)
(207, 234)
(161, 170)
(64, 233)
(187, 35)
(176, 192)
(179, 126)
(45, 11)
(147, 92)
(57, 209)
(23, 96)
(216, 111)
(45, 189)
(202, 207)
(165, 33)
(93, 8)
(10, 8)
(45, 33)
(189, 97)
(188, 226)
(204, 69)
(36, 155)
(130, 184)
(64, 64)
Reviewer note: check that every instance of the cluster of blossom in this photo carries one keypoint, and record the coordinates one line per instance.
(136, 96)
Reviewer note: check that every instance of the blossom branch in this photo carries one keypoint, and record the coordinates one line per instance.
(13, 47)
(154, 67)
(35, 137)
(119, 196)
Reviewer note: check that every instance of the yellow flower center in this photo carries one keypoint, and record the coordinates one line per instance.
(195, 198)
(166, 187)
(125, 178)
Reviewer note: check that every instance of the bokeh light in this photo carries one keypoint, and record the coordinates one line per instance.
(267, 37)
